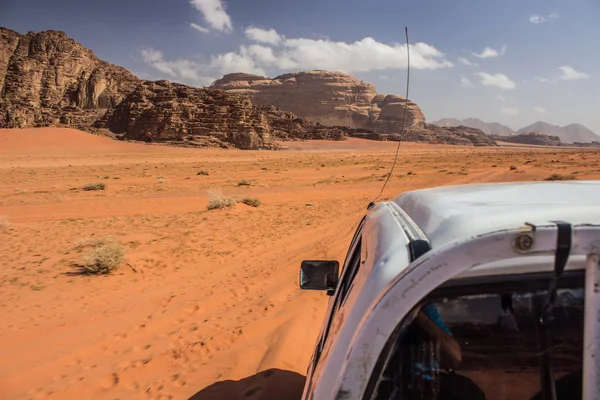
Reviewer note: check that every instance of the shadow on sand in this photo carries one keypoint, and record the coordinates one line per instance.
(269, 384)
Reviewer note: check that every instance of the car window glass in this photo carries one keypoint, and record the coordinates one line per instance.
(498, 341)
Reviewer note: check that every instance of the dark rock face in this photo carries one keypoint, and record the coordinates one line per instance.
(168, 112)
(540, 139)
(460, 135)
(48, 79)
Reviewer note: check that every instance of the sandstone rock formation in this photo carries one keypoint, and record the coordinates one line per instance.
(330, 98)
(336, 98)
(535, 138)
(47, 79)
(489, 128)
(162, 111)
(457, 135)
(460, 135)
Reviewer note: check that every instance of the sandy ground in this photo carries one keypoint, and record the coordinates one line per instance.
(207, 304)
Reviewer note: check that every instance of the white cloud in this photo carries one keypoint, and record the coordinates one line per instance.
(510, 111)
(501, 98)
(490, 52)
(269, 36)
(465, 82)
(248, 59)
(539, 109)
(569, 73)
(542, 79)
(186, 70)
(214, 14)
(466, 62)
(361, 56)
(302, 54)
(499, 80)
(199, 28)
(540, 19)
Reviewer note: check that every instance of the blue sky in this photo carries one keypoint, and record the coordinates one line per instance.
(511, 61)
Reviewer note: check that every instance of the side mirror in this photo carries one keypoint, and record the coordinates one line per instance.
(319, 275)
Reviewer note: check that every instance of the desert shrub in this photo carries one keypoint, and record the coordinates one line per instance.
(94, 186)
(244, 182)
(559, 177)
(203, 172)
(216, 200)
(102, 259)
(251, 201)
(4, 222)
(93, 243)
(513, 168)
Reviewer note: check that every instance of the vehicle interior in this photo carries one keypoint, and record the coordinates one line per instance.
(506, 352)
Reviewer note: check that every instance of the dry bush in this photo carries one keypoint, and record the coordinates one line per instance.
(103, 257)
(94, 186)
(4, 222)
(216, 200)
(244, 182)
(251, 201)
(559, 177)
(93, 243)
(203, 172)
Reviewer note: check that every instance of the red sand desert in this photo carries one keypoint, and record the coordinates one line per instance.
(207, 303)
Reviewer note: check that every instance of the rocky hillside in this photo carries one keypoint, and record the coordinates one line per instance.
(330, 98)
(535, 138)
(47, 78)
(168, 112)
(489, 128)
(569, 134)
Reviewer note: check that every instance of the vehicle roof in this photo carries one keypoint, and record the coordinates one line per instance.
(449, 213)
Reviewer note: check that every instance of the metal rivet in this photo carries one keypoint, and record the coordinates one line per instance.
(524, 242)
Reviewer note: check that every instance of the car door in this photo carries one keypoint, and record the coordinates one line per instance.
(349, 270)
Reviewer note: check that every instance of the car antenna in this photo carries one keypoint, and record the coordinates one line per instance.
(402, 131)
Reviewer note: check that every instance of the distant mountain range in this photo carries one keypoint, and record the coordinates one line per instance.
(568, 134)
(491, 128)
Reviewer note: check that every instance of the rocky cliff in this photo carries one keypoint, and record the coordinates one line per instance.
(47, 79)
(459, 135)
(168, 112)
(330, 98)
(535, 138)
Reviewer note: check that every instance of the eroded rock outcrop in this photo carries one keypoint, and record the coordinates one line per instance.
(535, 138)
(336, 98)
(48, 79)
(330, 98)
(163, 111)
(460, 135)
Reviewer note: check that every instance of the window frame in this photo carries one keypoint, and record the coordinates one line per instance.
(344, 283)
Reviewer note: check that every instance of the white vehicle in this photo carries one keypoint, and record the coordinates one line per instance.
(508, 267)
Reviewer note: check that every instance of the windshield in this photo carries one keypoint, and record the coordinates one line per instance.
(485, 346)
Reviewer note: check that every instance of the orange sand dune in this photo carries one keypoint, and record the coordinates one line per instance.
(207, 304)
